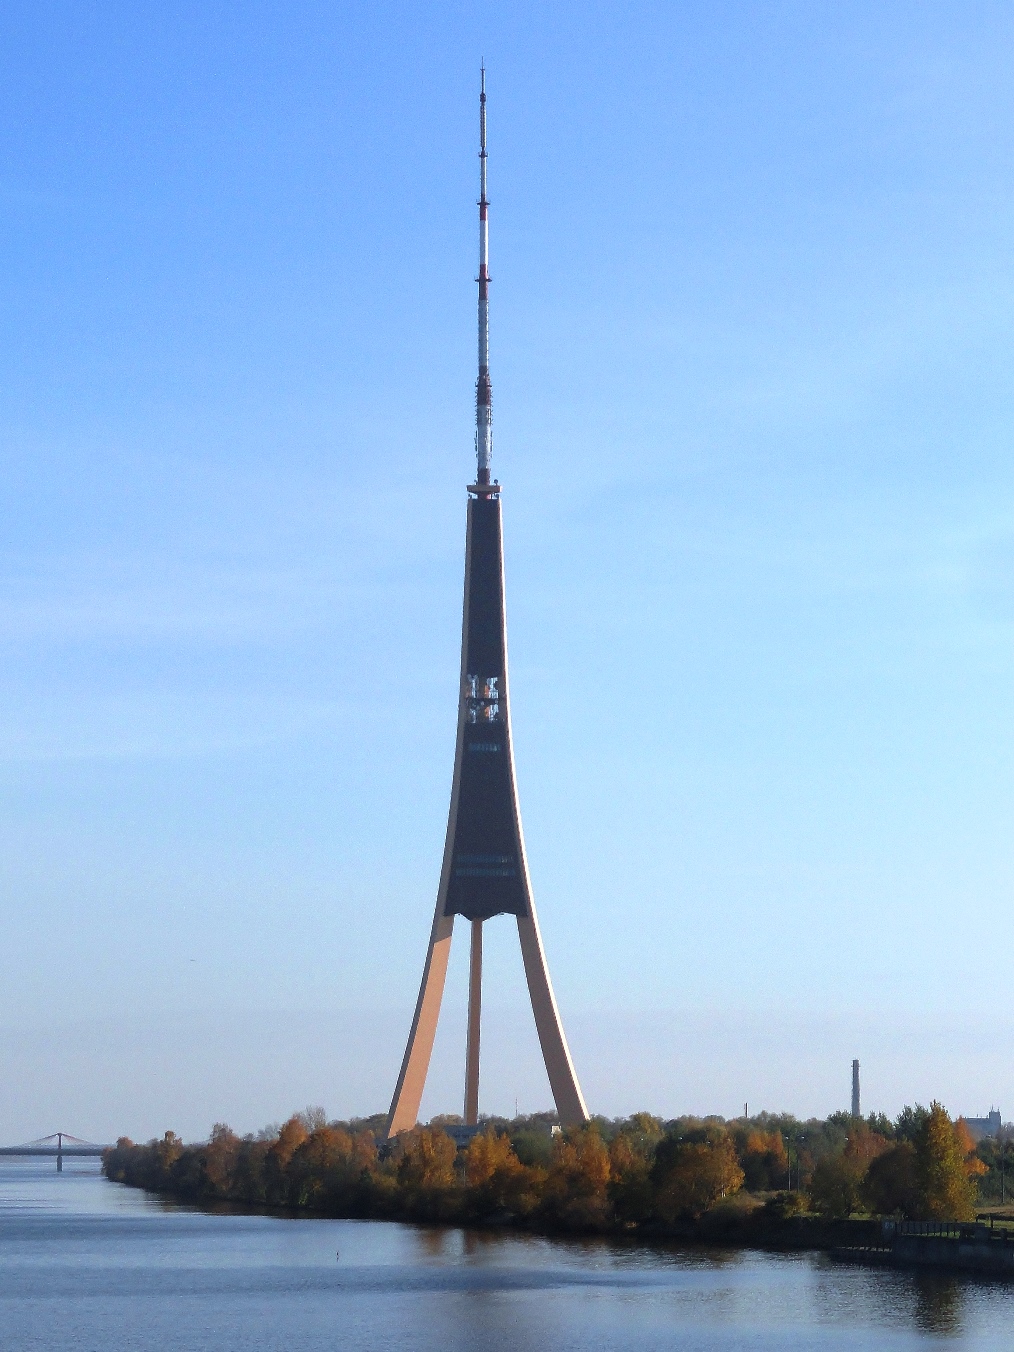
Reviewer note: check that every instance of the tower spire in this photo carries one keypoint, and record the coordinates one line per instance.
(483, 389)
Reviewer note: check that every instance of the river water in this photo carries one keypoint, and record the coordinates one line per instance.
(91, 1266)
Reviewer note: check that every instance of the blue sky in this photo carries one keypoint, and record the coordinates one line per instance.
(751, 337)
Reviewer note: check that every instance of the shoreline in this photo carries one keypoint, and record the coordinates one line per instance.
(732, 1227)
(856, 1241)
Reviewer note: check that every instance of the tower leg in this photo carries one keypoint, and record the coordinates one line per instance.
(570, 1102)
(474, 1009)
(408, 1095)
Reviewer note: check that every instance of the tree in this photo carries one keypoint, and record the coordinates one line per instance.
(974, 1166)
(836, 1185)
(220, 1159)
(945, 1189)
(890, 1188)
(630, 1189)
(427, 1160)
(576, 1192)
(328, 1166)
(694, 1172)
(497, 1180)
(764, 1160)
(909, 1122)
(313, 1118)
(291, 1136)
(168, 1150)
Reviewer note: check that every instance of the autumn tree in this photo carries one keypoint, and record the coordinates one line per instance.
(763, 1160)
(220, 1159)
(576, 1192)
(488, 1154)
(497, 1181)
(426, 1160)
(631, 1154)
(168, 1150)
(975, 1168)
(291, 1136)
(944, 1180)
(694, 1171)
(329, 1165)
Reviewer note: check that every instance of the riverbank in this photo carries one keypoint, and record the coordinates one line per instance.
(482, 1188)
(981, 1248)
(687, 1181)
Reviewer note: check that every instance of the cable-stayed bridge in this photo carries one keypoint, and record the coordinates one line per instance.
(58, 1146)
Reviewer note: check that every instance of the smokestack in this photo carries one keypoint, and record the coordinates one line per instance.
(483, 388)
(855, 1090)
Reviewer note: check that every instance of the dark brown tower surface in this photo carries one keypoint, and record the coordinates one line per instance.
(486, 876)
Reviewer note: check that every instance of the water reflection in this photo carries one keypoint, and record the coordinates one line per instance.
(434, 1242)
(938, 1302)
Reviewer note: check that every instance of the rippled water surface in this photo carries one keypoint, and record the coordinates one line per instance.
(86, 1264)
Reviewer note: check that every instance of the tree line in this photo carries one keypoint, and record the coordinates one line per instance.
(612, 1174)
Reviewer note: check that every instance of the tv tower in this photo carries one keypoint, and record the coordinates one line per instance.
(485, 869)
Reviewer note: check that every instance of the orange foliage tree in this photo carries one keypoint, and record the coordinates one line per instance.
(426, 1160)
(693, 1172)
(576, 1191)
(764, 1160)
(328, 1165)
(497, 1181)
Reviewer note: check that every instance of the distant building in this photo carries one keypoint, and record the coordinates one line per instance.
(979, 1127)
(461, 1133)
(856, 1109)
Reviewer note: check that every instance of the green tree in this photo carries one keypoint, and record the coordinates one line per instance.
(890, 1188)
(837, 1181)
(909, 1122)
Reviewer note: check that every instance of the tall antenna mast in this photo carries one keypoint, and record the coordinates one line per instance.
(483, 389)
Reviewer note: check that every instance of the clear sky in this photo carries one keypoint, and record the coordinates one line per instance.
(752, 319)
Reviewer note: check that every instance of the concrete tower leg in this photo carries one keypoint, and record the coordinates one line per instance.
(474, 1020)
(570, 1102)
(408, 1095)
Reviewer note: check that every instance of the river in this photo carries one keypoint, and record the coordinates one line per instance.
(91, 1266)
